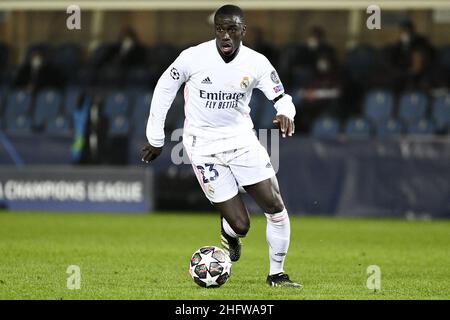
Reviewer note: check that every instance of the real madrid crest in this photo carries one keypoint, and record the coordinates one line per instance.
(245, 83)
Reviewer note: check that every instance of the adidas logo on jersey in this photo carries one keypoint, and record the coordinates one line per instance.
(207, 81)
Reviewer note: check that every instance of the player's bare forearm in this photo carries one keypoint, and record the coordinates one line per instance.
(285, 124)
(150, 152)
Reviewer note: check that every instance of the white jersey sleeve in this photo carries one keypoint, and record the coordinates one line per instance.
(165, 91)
(270, 84)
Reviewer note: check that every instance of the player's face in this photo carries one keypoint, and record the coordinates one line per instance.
(229, 33)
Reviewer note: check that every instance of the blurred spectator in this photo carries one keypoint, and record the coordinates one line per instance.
(408, 50)
(80, 122)
(304, 60)
(90, 130)
(129, 52)
(109, 63)
(4, 59)
(318, 46)
(321, 94)
(37, 72)
(419, 74)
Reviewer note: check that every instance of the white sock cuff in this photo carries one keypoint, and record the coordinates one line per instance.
(277, 217)
(228, 230)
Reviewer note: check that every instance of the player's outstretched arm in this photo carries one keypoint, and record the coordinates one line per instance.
(285, 124)
(150, 152)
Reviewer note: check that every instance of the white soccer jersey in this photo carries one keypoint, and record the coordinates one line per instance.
(216, 97)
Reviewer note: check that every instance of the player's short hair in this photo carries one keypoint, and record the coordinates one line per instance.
(229, 10)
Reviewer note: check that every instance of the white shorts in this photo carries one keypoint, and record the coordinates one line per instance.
(220, 175)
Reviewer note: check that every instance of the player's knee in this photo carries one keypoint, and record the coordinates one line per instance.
(276, 206)
(241, 227)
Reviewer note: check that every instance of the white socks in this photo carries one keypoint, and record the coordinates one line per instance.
(278, 234)
(228, 230)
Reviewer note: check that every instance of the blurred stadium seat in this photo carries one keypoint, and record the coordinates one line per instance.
(59, 125)
(19, 124)
(47, 106)
(388, 128)
(117, 103)
(358, 128)
(18, 106)
(379, 105)
(326, 127)
(140, 112)
(175, 116)
(119, 125)
(441, 112)
(412, 106)
(421, 127)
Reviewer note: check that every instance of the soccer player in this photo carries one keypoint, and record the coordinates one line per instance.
(218, 136)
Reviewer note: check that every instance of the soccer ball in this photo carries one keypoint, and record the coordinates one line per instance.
(210, 267)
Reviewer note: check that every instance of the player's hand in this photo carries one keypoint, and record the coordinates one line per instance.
(285, 124)
(150, 152)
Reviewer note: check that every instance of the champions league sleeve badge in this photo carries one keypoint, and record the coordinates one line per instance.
(174, 74)
(274, 77)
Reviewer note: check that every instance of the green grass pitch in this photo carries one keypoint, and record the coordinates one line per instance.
(147, 257)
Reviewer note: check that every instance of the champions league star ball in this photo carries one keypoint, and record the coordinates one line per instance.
(210, 267)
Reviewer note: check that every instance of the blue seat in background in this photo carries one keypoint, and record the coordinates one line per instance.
(117, 103)
(325, 127)
(59, 125)
(119, 125)
(19, 124)
(441, 112)
(388, 128)
(378, 105)
(18, 103)
(421, 127)
(175, 116)
(141, 108)
(412, 107)
(358, 128)
(47, 106)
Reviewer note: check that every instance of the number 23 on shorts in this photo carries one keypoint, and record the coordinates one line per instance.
(212, 175)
